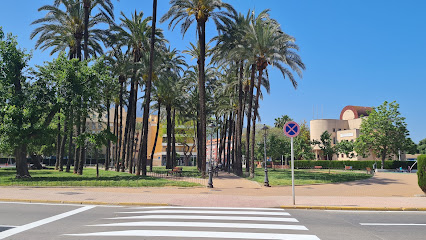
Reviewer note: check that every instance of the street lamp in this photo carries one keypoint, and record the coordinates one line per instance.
(210, 183)
(265, 129)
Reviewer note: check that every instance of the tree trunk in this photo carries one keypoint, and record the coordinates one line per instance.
(58, 143)
(83, 146)
(169, 137)
(228, 158)
(174, 163)
(70, 146)
(201, 25)
(36, 161)
(63, 142)
(120, 133)
(249, 112)
(256, 106)
(128, 127)
(238, 124)
(21, 162)
(78, 127)
(87, 6)
(115, 148)
(156, 136)
(148, 91)
(108, 147)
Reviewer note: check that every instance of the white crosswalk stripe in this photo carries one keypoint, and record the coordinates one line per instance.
(201, 223)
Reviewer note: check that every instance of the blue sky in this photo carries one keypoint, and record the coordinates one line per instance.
(357, 52)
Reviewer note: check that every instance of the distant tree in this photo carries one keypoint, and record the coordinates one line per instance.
(384, 132)
(302, 144)
(345, 147)
(421, 147)
(281, 121)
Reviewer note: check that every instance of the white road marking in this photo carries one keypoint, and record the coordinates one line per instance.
(8, 226)
(199, 234)
(28, 226)
(202, 224)
(230, 218)
(361, 211)
(218, 208)
(393, 224)
(214, 212)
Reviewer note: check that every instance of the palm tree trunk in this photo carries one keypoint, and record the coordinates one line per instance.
(58, 143)
(114, 157)
(238, 127)
(174, 163)
(228, 157)
(70, 145)
(108, 147)
(127, 130)
(169, 137)
(148, 91)
(201, 26)
(78, 127)
(249, 112)
(86, 5)
(63, 142)
(120, 132)
(156, 136)
(256, 106)
(83, 147)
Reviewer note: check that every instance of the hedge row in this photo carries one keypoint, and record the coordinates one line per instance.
(421, 174)
(361, 165)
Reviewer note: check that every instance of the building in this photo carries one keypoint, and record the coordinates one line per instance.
(212, 148)
(345, 128)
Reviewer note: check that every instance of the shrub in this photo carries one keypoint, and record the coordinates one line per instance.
(421, 172)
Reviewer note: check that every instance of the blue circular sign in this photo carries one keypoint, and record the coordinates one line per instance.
(291, 129)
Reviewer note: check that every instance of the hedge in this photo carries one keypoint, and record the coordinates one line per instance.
(360, 165)
(421, 173)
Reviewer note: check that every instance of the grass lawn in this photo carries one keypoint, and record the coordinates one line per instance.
(282, 177)
(48, 178)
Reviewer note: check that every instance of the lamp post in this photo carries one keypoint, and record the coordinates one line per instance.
(265, 129)
(210, 183)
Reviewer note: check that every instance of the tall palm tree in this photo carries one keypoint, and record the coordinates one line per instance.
(189, 11)
(271, 46)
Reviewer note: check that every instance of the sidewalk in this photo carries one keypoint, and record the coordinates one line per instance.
(383, 191)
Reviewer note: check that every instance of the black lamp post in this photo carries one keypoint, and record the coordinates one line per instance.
(210, 183)
(265, 129)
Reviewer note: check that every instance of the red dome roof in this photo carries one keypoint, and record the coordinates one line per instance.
(357, 110)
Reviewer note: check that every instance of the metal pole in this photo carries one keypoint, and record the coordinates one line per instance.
(210, 183)
(292, 172)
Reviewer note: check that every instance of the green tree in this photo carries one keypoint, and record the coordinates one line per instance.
(345, 147)
(25, 111)
(384, 132)
(281, 121)
(421, 147)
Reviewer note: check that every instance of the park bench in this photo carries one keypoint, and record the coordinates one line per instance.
(318, 167)
(369, 170)
(175, 171)
(348, 167)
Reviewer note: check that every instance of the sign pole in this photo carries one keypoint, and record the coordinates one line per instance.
(292, 172)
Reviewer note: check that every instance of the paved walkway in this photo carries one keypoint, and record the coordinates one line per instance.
(390, 190)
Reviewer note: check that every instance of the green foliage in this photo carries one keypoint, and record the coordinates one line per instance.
(346, 147)
(384, 132)
(421, 147)
(281, 121)
(359, 165)
(421, 173)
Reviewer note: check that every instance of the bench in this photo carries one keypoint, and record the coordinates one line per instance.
(175, 171)
(318, 167)
(369, 170)
(348, 167)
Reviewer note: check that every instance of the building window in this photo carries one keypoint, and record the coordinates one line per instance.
(334, 130)
(342, 155)
(334, 140)
(340, 129)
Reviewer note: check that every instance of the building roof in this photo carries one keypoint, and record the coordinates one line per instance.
(357, 110)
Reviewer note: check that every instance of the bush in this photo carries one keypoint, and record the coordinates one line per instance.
(421, 173)
(359, 165)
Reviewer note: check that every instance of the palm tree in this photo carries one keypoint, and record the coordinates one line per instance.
(189, 11)
(281, 121)
(271, 46)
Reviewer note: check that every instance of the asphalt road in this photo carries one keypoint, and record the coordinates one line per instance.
(72, 222)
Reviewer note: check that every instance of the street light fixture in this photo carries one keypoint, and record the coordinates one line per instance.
(210, 183)
(265, 129)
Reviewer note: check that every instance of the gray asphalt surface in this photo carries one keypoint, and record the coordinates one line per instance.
(50, 221)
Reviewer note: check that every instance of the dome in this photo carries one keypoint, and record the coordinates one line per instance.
(353, 112)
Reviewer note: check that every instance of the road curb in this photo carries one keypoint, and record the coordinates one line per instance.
(84, 202)
(354, 208)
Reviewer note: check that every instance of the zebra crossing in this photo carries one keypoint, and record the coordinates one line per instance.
(199, 223)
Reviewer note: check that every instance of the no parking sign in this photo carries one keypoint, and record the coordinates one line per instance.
(291, 129)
